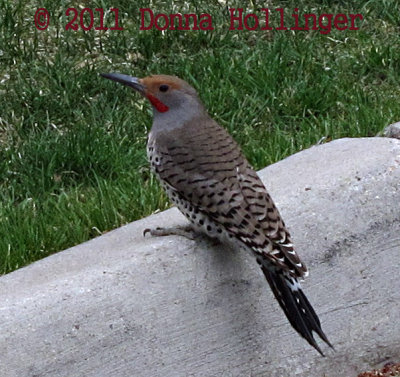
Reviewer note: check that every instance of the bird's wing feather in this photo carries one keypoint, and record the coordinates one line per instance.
(217, 179)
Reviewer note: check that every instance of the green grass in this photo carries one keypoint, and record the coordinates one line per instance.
(72, 145)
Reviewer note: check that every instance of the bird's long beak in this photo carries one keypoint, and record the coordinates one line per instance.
(133, 82)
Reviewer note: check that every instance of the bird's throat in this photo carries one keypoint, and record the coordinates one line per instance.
(160, 107)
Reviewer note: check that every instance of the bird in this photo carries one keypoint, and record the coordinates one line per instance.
(205, 174)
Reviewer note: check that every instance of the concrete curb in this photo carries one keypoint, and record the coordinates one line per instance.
(123, 305)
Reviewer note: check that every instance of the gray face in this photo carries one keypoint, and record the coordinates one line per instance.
(173, 98)
(174, 101)
(171, 91)
(182, 108)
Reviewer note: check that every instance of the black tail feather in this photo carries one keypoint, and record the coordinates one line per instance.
(295, 304)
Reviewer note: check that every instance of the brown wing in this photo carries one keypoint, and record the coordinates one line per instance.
(205, 166)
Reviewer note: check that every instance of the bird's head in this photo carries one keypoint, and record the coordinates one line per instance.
(164, 92)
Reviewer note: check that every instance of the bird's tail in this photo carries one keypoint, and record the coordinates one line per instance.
(294, 303)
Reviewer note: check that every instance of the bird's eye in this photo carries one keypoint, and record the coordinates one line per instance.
(163, 87)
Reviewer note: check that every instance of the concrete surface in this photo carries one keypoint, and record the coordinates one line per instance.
(393, 130)
(123, 305)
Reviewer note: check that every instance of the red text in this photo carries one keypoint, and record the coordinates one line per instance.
(176, 21)
(86, 19)
(324, 22)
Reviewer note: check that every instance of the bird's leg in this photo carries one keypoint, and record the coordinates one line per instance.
(184, 231)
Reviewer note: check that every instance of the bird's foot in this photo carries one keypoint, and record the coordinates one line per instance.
(185, 231)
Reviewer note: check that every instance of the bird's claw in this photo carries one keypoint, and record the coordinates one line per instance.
(186, 232)
(151, 231)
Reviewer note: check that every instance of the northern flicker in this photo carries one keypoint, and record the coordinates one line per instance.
(205, 174)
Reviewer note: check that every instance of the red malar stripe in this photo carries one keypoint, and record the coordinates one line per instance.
(157, 103)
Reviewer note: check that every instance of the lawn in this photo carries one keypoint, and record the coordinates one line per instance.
(72, 145)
